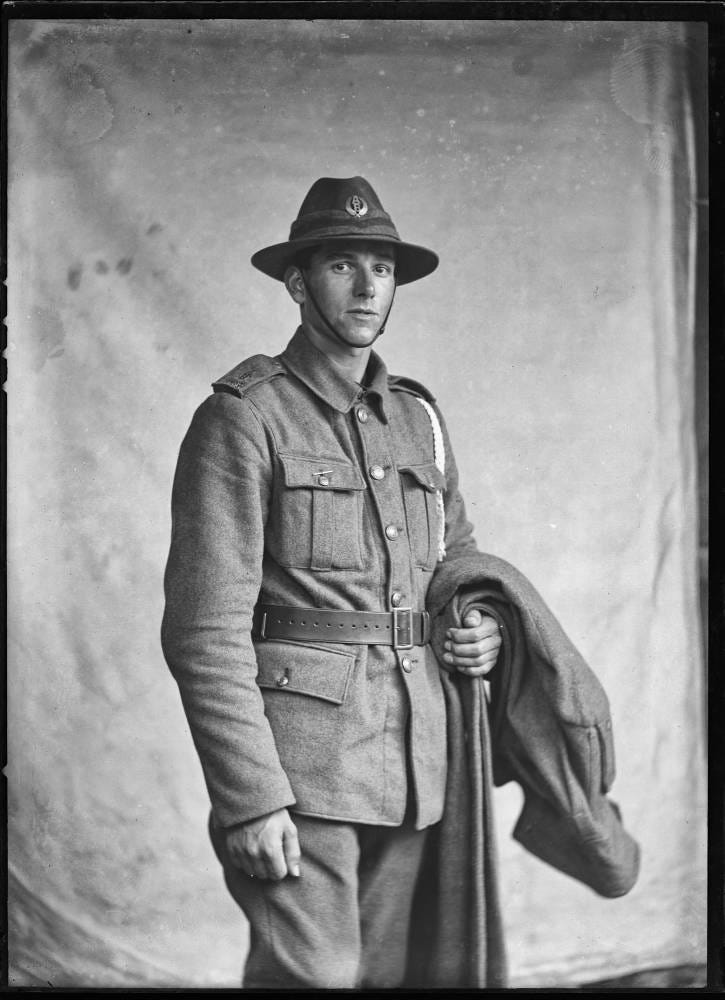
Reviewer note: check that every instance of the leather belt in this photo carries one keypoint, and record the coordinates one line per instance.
(402, 628)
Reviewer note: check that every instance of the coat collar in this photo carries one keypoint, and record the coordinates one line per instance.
(326, 380)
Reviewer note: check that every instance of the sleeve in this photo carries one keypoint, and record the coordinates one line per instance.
(220, 500)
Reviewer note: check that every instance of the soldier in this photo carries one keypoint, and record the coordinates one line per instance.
(315, 498)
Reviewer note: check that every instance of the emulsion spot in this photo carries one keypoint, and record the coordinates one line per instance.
(101, 267)
(154, 228)
(124, 265)
(36, 52)
(74, 276)
(48, 334)
(522, 65)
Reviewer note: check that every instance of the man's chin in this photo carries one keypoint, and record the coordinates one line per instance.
(361, 336)
(354, 335)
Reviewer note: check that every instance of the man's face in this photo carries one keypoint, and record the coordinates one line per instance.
(354, 286)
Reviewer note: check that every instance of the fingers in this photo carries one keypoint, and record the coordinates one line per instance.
(480, 670)
(472, 618)
(292, 852)
(485, 627)
(280, 853)
(473, 649)
(267, 853)
(240, 858)
(266, 848)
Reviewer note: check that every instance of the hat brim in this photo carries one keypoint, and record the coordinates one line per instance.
(411, 261)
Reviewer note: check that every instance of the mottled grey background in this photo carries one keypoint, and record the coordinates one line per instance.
(552, 165)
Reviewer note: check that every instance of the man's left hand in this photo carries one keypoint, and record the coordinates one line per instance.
(473, 649)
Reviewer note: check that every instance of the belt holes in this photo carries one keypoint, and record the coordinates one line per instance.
(316, 624)
(354, 626)
(303, 623)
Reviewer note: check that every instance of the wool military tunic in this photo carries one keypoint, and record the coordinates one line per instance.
(296, 486)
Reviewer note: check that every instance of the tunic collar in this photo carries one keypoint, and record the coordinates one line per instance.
(313, 367)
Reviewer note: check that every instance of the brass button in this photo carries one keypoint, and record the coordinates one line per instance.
(283, 681)
(406, 664)
(377, 472)
(391, 531)
(324, 480)
(396, 599)
(362, 414)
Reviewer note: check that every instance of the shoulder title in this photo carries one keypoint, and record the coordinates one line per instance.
(248, 374)
(399, 383)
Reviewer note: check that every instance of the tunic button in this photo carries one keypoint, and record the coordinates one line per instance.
(377, 471)
(406, 664)
(391, 531)
(323, 480)
(282, 682)
(362, 414)
(396, 599)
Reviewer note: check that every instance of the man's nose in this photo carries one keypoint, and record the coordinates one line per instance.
(364, 284)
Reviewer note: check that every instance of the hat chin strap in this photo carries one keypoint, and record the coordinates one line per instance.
(328, 324)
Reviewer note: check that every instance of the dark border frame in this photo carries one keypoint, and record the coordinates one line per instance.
(711, 12)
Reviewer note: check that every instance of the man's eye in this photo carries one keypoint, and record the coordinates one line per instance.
(383, 269)
(341, 266)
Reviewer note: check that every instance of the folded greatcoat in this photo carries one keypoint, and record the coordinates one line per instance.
(551, 731)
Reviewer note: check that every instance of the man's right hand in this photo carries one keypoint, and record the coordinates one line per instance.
(266, 847)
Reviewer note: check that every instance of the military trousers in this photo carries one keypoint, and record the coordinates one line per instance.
(344, 923)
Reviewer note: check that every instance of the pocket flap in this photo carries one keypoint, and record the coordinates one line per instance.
(318, 671)
(320, 473)
(427, 475)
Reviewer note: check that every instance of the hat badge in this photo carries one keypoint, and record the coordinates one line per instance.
(357, 206)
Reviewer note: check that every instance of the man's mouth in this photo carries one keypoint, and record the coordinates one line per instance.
(363, 312)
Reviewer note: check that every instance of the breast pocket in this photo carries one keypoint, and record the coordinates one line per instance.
(420, 484)
(317, 514)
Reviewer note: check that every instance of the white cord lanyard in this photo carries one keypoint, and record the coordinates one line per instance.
(439, 456)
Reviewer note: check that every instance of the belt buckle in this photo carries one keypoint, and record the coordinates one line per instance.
(263, 627)
(397, 628)
(425, 630)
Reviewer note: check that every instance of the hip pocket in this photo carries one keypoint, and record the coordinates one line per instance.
(311, 669)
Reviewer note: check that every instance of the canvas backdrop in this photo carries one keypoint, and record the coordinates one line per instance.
(552, 166)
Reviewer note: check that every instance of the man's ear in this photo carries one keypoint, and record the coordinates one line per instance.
(295, 284)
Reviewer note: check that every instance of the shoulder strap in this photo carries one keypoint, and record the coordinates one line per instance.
(255, 370)
(401, 383)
